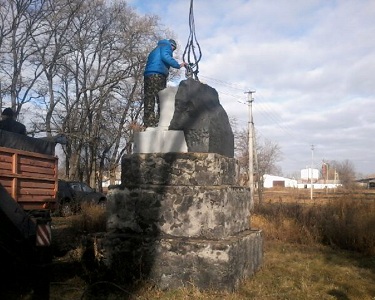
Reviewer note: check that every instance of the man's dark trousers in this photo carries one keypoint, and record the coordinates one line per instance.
(153, 84)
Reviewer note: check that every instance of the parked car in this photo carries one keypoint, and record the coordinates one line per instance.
(71, 194)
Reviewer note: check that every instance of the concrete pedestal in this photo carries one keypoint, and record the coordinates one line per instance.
(181, 219)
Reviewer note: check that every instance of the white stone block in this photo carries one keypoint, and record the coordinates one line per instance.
(167, 101)
(160, 139)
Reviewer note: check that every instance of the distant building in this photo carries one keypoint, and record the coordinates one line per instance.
(271, 181)
(307, 174)
(367, 183)
(318, 180)
(320, 184)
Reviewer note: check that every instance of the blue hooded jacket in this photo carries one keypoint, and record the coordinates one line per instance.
(161, 59)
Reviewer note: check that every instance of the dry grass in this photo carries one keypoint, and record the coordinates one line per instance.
(339, 222)
(92, 219)
(290, 271)
(293, 271)
(302, 256)
(298, 263)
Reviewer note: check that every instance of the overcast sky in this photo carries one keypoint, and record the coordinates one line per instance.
(311, 64)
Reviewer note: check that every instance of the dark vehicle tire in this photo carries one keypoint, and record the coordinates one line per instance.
(66, 209)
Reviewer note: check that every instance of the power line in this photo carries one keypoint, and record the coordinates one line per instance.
(262, 109)
(228, 84)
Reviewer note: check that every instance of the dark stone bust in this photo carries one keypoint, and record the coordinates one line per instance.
(205, 123)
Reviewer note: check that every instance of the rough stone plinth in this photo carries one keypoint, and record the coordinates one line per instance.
(181, 219)
(172, 262)
(183, 211)
(198, 169)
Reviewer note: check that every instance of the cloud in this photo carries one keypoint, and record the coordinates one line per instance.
(310, 62)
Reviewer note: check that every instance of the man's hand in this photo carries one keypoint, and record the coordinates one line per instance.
(183, 64)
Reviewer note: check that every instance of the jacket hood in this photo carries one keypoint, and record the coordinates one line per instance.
(161, 59)
(164, 43)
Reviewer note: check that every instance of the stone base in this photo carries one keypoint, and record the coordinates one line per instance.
(181, 219)
(179, 169)
(172, 262)
(212, 212)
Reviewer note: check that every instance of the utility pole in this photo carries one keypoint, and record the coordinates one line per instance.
(1, 98)
(312, 165)
(251, 144)
(256, 170)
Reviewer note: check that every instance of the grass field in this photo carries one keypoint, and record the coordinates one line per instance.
(320, 249)
(290, 271)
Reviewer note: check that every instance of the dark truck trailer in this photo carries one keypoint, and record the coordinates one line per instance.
(28, 190)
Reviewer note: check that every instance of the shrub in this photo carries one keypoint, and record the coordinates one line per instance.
(92, 219)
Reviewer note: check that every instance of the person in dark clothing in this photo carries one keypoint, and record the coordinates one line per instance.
(156, 72)
(9, 124)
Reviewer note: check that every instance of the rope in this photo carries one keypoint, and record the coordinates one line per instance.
(193, 56)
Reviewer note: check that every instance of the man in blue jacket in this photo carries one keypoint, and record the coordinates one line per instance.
(155, 78)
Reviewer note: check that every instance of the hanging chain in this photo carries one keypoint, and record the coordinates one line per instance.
(193, 56)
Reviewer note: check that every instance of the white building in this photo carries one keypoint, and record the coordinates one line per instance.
(306, 174)
(317, 186)
(278, 181)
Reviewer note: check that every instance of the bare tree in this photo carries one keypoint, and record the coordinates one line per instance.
(81, 63)
(268, 154)
(345, 171)
(19, 19)
(102, 87)
(51, 46)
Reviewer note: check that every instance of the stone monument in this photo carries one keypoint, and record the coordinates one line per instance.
(180, 217)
